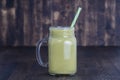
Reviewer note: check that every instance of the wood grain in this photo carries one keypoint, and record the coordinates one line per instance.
(117, 18)
(4, 26)
(0, 24)
(28, 21)
(110, 22)
(24, 22)
(94, 63)
(39, 20)
(11, 31)
(92, 21)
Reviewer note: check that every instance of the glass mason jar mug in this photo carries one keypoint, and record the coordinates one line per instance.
(62, 57)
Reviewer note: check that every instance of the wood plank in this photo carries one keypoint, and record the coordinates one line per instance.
(38, 29)
(113, 22)
(101, 22)
(4, 26)
(110, 6)
(11, 31)
(27, 23)
(10, 35)
(86, 24)
(1, 24)
(46, 17)
(117, 17)
(92, 20)
(35, 35)
(19, 22)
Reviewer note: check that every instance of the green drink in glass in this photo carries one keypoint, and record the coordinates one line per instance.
(62, 57)
(62, 51)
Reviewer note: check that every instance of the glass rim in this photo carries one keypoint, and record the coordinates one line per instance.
(61, 27)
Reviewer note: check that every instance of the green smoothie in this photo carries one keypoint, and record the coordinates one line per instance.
(62, 51)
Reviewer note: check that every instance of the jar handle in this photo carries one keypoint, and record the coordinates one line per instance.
(38, 53)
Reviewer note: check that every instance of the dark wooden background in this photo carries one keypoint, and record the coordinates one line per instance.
(24, 22)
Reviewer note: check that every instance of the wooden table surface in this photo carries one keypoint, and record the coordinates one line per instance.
(94, 63)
